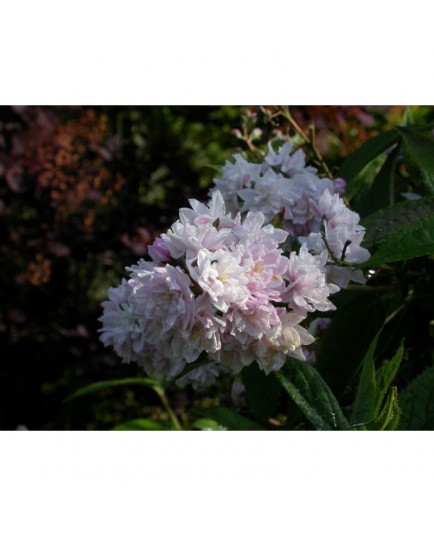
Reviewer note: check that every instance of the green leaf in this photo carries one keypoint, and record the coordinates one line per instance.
(386, 374)
(428, 182)
(312, 395)
(206, 424)
(367, 152)
(143, 424)
(413, 240)
(228, 418)
(262, 392)
(382, 191)
(373, 388)
(358, 188)
(382, 224)
(364, 404)
(358, 318)
(421, 151)
(417, 403)
(101, 386)
(375, 189)
(390, 414)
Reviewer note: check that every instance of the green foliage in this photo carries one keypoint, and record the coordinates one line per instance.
(382, 189)
(355, 163)
(229, 419)
(417, 403)
(413, 240)
(143, 425)
(207, 424)
(102, 386)
(368, 410)
(358, 318)
(364, 404)
(420, 149)
(312, 395)
(386, 374)
(374, 189)
(388, 420)
(384, 223)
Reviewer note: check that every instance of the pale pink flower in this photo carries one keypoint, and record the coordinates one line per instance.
(122, 327)
(289, 164)
(307, 289)
(222, 277)
(220, 285)
(268, 195)
(286, 339)
(162, 296)
(159, 250)
(252, 229)
(235, 177)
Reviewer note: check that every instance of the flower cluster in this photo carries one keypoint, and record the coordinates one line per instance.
(218, 286)
(225, 283)
(310, 207)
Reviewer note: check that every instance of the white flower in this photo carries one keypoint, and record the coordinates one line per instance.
(222, 277)
(122, 327)
(201, 214)
(220, 284)
(340, 237)
(289, 165)
(252, 230)
(235, 177)
(308, 290)
(268, 195)
(163, 297)
(159, 250)
(288, 338)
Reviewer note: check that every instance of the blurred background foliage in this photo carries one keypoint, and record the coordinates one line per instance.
(83, 191)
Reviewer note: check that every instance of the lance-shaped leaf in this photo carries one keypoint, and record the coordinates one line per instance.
(206, 424)
(364, 404)
(379, 191)
(382, 191)
(428, 182)
(312, 395)
(355, 163)
(388, 418)
(413, 240)
(143, 425)
(228, 418)
(421, 151)
(382, 224)
(355, 323)
(102, 386)
(386, 374)
(374, 385)
(417, 403)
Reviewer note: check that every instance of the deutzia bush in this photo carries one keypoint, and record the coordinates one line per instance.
(226, 284)
(318, 319)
